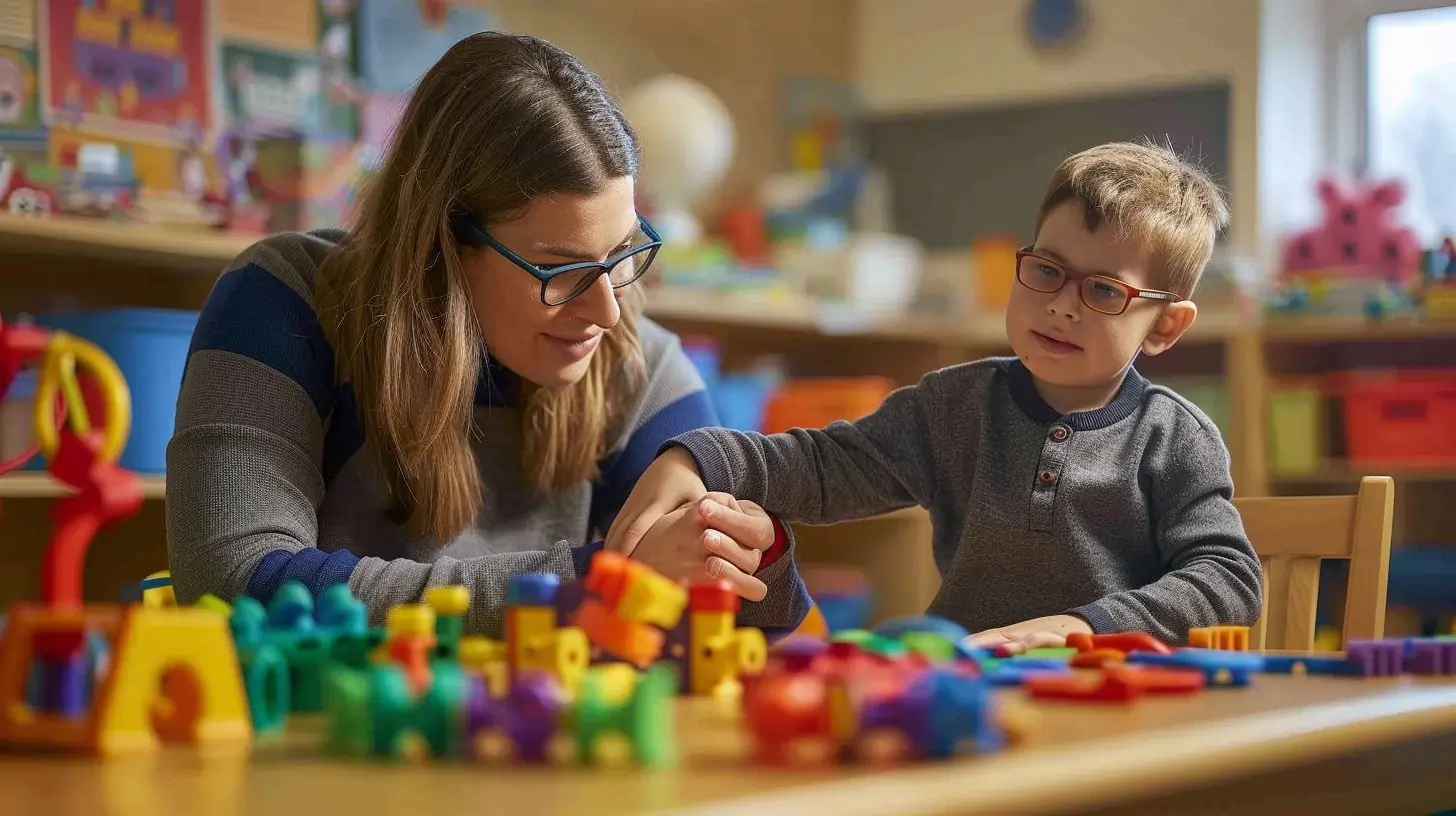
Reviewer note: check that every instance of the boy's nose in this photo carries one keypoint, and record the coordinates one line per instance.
(1066, 302)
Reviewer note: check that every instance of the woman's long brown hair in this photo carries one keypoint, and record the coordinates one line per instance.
(498, 121)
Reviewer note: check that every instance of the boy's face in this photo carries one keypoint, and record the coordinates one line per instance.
(1062, 340)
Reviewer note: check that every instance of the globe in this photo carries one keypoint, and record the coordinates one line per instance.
(687, 141)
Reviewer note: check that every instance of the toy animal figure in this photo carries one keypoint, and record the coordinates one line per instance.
(1358, 236)
(17, 195)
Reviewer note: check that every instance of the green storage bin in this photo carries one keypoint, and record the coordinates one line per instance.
(1210, 394)
(1296, 429)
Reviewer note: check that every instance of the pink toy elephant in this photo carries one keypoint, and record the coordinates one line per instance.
(1357, 236)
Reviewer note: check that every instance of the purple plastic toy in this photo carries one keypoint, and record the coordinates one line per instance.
(529, 715)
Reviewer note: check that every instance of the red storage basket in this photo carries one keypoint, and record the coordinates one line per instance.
(1399, 417)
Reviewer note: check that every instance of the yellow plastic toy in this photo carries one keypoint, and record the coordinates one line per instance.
(101, 678)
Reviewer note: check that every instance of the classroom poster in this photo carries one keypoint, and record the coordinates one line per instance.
(399, 41)
(137, 69)
(271, 92)
(19, 92)
(17, 20)
(285, 25)
(337, 48)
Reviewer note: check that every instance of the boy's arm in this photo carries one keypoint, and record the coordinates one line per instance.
(1213, 576)
(846, 470)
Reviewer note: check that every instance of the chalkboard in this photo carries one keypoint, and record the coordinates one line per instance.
(961, 173)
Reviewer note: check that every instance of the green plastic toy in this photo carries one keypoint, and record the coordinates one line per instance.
(645, 720)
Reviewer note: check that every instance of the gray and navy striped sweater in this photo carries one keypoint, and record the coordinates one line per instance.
(268, 480)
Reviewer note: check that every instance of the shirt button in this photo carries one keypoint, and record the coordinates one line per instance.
(1047, 477)
(1060, 433)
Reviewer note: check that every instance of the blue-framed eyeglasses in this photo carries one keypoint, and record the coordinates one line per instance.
(563, 282)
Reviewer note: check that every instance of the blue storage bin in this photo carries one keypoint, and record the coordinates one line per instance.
(150, 346)
(741, 398)
(705, 358)
(846, 611)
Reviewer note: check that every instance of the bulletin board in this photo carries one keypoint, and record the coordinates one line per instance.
(286, 102)
(974, 171)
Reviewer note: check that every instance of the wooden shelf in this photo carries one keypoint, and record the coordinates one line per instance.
(180, 249)
(42, 486)
(1338, 473)
(1349, 329)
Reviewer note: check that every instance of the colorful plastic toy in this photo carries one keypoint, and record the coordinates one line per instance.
(1357, 235)
(57, 689)
(1220, 668)
(1225, 638)
(711, 653)
(627, 607)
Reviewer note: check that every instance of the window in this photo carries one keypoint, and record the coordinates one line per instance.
(1410, 112)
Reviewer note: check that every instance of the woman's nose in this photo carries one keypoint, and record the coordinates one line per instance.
(598, 304)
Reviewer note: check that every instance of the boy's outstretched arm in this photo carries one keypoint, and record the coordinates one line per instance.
(847, 470)
(1213, 576)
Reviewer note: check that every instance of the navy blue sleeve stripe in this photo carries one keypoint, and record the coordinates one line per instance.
(254, 314)
(582, 556)
(344, 437)
(314, 568)
(622, 469)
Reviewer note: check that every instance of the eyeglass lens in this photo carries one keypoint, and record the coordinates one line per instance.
(1099, 294)
(570, 284)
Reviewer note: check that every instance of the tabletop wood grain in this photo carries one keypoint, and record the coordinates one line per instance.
(1074, 758)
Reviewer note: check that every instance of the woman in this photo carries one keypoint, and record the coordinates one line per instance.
(460, 389)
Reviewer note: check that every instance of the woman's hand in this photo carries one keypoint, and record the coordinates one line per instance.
(716, 537)
(669, 483)
(1038, 633)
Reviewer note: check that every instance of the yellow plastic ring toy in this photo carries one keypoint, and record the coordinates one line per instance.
(58, 373)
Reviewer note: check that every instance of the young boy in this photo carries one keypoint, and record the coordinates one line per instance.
(1068, 494)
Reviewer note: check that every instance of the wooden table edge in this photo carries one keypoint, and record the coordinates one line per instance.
(1116, 770)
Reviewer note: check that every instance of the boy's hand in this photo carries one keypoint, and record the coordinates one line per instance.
(684, 543)
(1038, 633)
(670, 482)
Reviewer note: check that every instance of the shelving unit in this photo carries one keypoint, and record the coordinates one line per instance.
(108, 264)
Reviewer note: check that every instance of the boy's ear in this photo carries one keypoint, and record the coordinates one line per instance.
(1175, 320)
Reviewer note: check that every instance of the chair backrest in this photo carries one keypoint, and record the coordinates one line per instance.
(1292, 534)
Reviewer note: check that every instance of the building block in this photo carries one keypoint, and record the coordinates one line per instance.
(450, 604)
(636, 643)
(1126, 642)
(633, 591)
(1430, 657)
(214, 604)
(269, 688)
(1097, 658)
(788, 715)
(309, 637)
(1226, 638)
(1012, 673)
(157, 592)
(1048, 653)
(944, 628)
(529, 718)
(939, 715)
(411, 642)
(1220, 668)
(395, 709)
(711, 653)
(185, 653)
(1300, 665)
(1377, 658)
(930, 645)
(615, 700)
(486, 657)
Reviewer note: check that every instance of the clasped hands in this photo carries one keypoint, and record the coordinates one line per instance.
(674, 525)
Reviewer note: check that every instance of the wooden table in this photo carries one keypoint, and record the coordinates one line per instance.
(1283, 745)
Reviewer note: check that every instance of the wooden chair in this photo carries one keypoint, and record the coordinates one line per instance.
(1292, 534)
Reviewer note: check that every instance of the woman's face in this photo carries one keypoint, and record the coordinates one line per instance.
(551, 346)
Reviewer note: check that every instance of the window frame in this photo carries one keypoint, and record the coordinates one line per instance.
(1347, 64)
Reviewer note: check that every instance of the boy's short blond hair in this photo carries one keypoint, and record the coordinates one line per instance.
(1151, 194)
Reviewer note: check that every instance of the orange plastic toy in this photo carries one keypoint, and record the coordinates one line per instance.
(172, 673)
